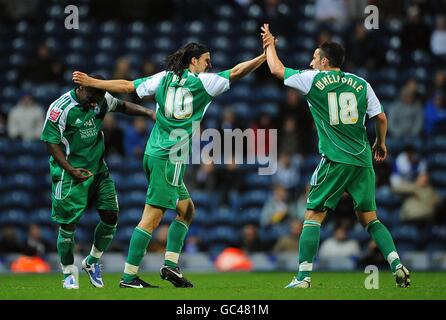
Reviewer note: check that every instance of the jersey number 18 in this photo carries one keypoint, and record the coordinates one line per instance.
(348, 108)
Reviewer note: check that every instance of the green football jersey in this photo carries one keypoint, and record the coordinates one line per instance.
(180, 102)
(78, 132)
(339, 102)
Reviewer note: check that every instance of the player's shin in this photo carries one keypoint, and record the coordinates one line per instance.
(65, 248)
(175, 241)
(384, 241)
(308, 246)
(137, 250)
(103, 236)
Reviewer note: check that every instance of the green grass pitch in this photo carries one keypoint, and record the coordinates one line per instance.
(228, 286)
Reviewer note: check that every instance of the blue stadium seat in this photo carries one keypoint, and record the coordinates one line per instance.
(438, 178)
(359, 233)
(436, 160)
(202, 217)
(223, 234)
(223, 216)
(138, 28)
(404, 246)
(437, 233)
(250, 216)
(136, 44)
(110, 28)
(129, 217)
(270, 108)
(21, 181)
(195, 27)
(385, 198)
(90, 218)
(202, 199)
(16, 199)
(222, 43)
(20, 44)
(405, 233)
(223, 27)
(41, 216)
(256, 181)
(133, 198)
(49, 234)
(134, 181)
(255, 198)
(124, 234)
(435, 246)
(116, 163)
(215, 249)
(84, 237)
(13, 217)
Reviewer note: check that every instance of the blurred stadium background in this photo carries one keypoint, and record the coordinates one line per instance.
(404, 60)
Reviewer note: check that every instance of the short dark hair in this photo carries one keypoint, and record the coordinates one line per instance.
(334, 52)
(94, 91)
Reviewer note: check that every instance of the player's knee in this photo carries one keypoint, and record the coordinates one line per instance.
(189, 213)
(68, 227)
(109, 217)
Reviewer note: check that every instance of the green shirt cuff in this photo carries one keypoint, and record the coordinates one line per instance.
(225, 74)
(137, 82)
(289, 72)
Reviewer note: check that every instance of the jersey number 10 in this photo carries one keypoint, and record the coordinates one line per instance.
(348, 108)
(178, 103)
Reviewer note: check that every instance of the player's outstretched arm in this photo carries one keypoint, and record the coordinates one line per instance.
(269, 43)
(379, 147)
(116, 86)
(133, 109)
(244, 68)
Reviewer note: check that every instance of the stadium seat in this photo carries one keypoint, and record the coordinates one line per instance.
(406, 233)
(16, 199)
(255, 198)
(223, 234)
(129, 217)
(223, 216)
(124, 234)
(13, 217)
(40, 216)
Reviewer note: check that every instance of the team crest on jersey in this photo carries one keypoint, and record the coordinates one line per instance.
(54, 114)
(97, 109)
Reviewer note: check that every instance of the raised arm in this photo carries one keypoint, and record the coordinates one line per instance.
(116, 86)
(242, 69)
(274, 63)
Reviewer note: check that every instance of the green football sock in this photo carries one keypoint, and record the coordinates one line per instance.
(175, 241)
(65, 246)
(383, 239)
(308, 246)
(103, 236)
(137, 250)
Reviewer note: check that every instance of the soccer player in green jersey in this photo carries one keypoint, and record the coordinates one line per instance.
(72, 132)
(183, 92)
(339, 102)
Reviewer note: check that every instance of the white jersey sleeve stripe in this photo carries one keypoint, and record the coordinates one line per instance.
(112, 102)
(301, 81)
(373, 105)
(149, 86)
(214, 84)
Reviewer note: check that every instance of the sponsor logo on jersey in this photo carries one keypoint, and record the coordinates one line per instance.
(54, 114)
(78, 121)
